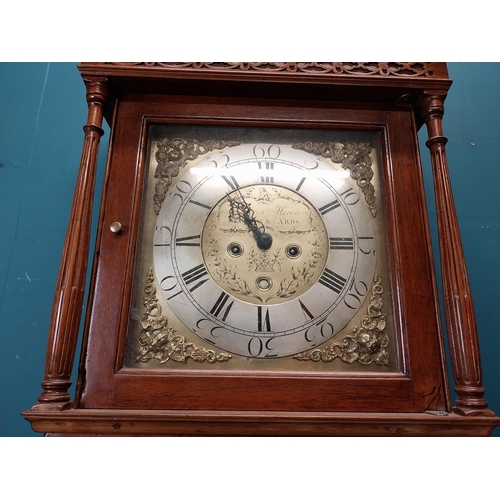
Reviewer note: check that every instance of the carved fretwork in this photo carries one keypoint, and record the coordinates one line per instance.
(404, 69)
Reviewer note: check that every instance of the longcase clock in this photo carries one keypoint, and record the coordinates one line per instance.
(263, 263)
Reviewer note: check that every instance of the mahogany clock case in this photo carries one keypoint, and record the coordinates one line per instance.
(190, 397)
(249, 391)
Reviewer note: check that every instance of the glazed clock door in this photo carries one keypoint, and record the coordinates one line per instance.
(254, 269)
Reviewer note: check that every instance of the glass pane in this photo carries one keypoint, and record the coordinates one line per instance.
(262, 249)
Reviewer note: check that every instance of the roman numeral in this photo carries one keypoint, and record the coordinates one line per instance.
(341, 244)
(266, 166)
(332, 280)
(263, 321)
(300, 183)
(188, 241)
(266, 178)
(195, 274)
(306, 310)
(194, 202)
(329, 207)
(231, 181)
(218, 307)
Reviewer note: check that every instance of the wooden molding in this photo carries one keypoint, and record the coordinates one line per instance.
(241, 423)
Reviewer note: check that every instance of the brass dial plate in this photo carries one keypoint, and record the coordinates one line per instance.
(270, 305)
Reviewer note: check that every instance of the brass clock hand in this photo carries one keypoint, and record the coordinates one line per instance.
(242, 210)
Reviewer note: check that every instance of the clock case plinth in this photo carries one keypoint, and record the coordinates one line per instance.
(395, 98)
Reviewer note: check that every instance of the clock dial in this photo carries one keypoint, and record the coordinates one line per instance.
(264, 250)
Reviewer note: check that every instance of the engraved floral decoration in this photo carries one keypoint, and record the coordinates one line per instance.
(173, 154)
(367, 343)
(159, 341)
(354, 157)
(228, 275)
(306, 273)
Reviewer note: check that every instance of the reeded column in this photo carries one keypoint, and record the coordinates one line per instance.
(69, 295)
(458, 306)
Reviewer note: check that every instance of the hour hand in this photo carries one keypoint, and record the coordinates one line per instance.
(241, 210)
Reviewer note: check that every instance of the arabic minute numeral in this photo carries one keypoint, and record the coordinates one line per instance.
(318, 333)
(170, 284)
(273, 151)
(257, 347)
(354, 297)
(350, 196)
(181, 189)
(220, 162)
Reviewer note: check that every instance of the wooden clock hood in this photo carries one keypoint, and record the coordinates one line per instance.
(417, 89)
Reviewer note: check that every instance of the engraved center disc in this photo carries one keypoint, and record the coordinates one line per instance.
(291, 221)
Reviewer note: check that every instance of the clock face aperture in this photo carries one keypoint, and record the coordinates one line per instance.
(264, 250)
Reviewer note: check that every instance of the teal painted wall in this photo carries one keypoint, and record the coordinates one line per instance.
(42, 111)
